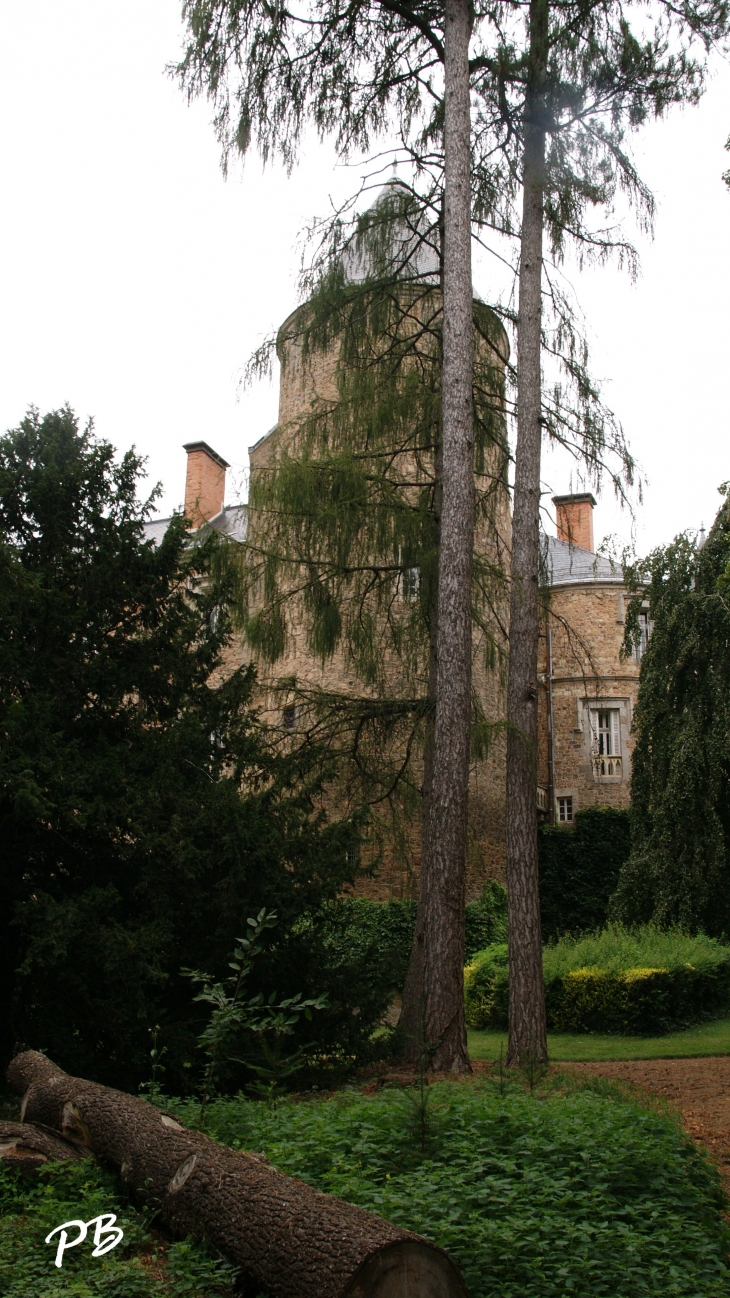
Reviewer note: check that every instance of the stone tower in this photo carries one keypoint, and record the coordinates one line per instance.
(309, 381)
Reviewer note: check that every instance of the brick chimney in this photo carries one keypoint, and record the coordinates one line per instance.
(575, 519)
(205, 483)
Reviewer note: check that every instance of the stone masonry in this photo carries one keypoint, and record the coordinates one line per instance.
(588, 690)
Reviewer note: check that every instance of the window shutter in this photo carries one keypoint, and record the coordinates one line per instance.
(616, 732)
(593, 719)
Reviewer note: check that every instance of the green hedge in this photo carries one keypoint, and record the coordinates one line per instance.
(579, 870)
(644, 982)
(357, 951)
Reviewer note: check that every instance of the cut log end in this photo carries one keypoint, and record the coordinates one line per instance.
(404, 1270)
(294, 1241)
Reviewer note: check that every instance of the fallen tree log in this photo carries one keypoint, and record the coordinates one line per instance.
(27, 1148)
(293, 1240)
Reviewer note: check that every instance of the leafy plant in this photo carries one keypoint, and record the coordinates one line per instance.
(679, 869)
(642, 981)
(154, 1086)
(579, 870)
(583, 1192)
(232, 1015)
(142, 1266)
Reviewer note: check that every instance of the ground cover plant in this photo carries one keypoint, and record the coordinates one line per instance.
(641, 981)
(572, 1189)
(142, 1266)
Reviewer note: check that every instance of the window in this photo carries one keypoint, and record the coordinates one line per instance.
(608, 731)
(352, 853)
(289, 717)
(410, 581)
(640, 649)
(606, 736)
(565, 810)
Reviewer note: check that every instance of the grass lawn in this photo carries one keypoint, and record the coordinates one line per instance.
(705, 1039)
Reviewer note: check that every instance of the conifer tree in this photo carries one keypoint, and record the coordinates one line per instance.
(678, 872)
(345, 516)
(144, 815)
(554, 89)
(350, 73)
(566, 93)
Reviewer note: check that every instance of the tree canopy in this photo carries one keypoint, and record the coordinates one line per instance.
(143, 815)
(679, 868)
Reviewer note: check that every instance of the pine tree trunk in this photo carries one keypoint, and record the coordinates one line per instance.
(411, 1022)
(443, 972)
(26, 1148)
(411, 1026)
(527, 1032)
(294, 1241)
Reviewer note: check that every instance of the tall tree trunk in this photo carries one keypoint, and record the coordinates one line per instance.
(527, 1032)
(411, 1025)
(443, 970)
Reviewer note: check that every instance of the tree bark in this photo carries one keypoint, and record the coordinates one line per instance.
(27, 1148)
(411, 1025)
(527, 1031)
(292, 1240)
(443, 972)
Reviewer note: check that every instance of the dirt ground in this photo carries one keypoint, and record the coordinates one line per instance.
(699, 1088)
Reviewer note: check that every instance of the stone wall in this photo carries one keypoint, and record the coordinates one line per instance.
(589, 679)
(308, 385)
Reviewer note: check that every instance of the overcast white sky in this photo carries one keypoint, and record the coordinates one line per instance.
(135, 281)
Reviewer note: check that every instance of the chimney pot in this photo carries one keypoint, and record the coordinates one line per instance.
(205, 483)
(575, 519)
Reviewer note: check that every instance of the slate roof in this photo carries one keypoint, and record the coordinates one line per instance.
(231, 522)
(564, 564)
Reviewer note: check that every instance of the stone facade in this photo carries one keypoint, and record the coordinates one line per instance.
(307, 385)
(587, 690)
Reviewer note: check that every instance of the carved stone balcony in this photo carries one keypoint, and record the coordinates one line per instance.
(606, 767)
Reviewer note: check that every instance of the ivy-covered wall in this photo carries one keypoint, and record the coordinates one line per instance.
(579, 869)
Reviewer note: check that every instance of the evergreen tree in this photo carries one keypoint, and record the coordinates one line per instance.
(557, 86)
(379, 61)
(346, 513)
(143, 815)
(562, 95)
(678, 872)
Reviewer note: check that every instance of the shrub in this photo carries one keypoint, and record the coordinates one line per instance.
(578, 1192)
(579, 870)
(643, 982)
(486, 919)
(357, 952)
